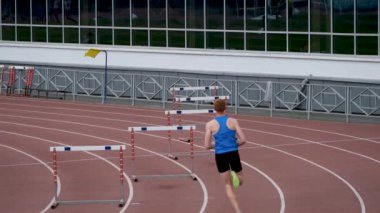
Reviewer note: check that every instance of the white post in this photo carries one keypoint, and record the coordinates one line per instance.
(1, 75)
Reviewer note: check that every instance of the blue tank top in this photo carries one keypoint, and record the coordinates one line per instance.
(225, 138)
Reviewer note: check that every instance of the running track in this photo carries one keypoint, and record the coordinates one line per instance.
(289, 165)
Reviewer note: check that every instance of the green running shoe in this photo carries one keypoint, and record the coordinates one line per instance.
(235, 180)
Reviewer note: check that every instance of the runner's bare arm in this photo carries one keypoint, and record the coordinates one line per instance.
(207, 141)
(240, 134)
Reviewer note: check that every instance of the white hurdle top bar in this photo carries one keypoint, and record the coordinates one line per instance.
(160, 128)
(20, 67)
(86, 148)
(191, 111)
(205, 98)
(193, 88)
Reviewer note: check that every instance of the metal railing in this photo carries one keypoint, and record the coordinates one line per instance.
(308, 98)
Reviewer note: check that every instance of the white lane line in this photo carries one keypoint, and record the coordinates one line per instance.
(40, 162)
(253, 130)
(301, 143)
(351, 187)
(137, 108)
(205, 193)
(279, 190)
(157, 117)
(281, 194)
(314, 142)
(361, 202)
(291, 155)
(61, 162)
(347, 140)
(124, 121)
(198, 122)
(335, 174)
(130, 186)
(81, 110)
(310, 129)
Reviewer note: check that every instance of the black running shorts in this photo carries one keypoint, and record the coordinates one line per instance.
(228, 160)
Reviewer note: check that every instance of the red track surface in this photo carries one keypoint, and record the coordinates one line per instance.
(289, 165)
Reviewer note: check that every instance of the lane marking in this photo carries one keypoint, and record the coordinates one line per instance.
(281, 194)
(40, 163)
(321, 144)
(361, 202)
(356, 137)
(156, 117)
(205, 193)
(343, 179)
(315, 130)
(130, 186)
(252, 130)
(279, 190)
(123, 121)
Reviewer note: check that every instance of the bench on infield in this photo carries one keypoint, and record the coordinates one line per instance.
(59, 94)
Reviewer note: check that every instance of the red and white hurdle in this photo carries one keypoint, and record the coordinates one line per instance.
(176, 102)
(189, 128)
(177, 112)
(189, 111)
(11, 81)
(204, 98)
(55, 149)
(22, 75)
(175, 89)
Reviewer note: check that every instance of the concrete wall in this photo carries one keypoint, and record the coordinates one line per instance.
(323, 67)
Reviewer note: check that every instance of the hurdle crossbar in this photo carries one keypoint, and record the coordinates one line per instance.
(160, 128)
(205, 98)
(86, 148)
(190, 111)
(193, 88)
(20, 67)
(176, 104)
(121, 202)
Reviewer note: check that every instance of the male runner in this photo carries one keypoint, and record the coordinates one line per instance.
(227, 137)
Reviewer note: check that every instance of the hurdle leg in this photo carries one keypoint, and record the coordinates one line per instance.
(214, 92)
(187, 140)
(134, 178)
(178, 117)
(11, 81)
(122, 192)
(8, 91)
(170, 141)
(176, 105)
(55, 174)
(173, 100)
(192, 154)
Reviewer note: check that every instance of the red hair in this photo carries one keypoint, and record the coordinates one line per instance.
(220, 105)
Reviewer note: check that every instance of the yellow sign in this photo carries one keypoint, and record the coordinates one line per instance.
(92, 53)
